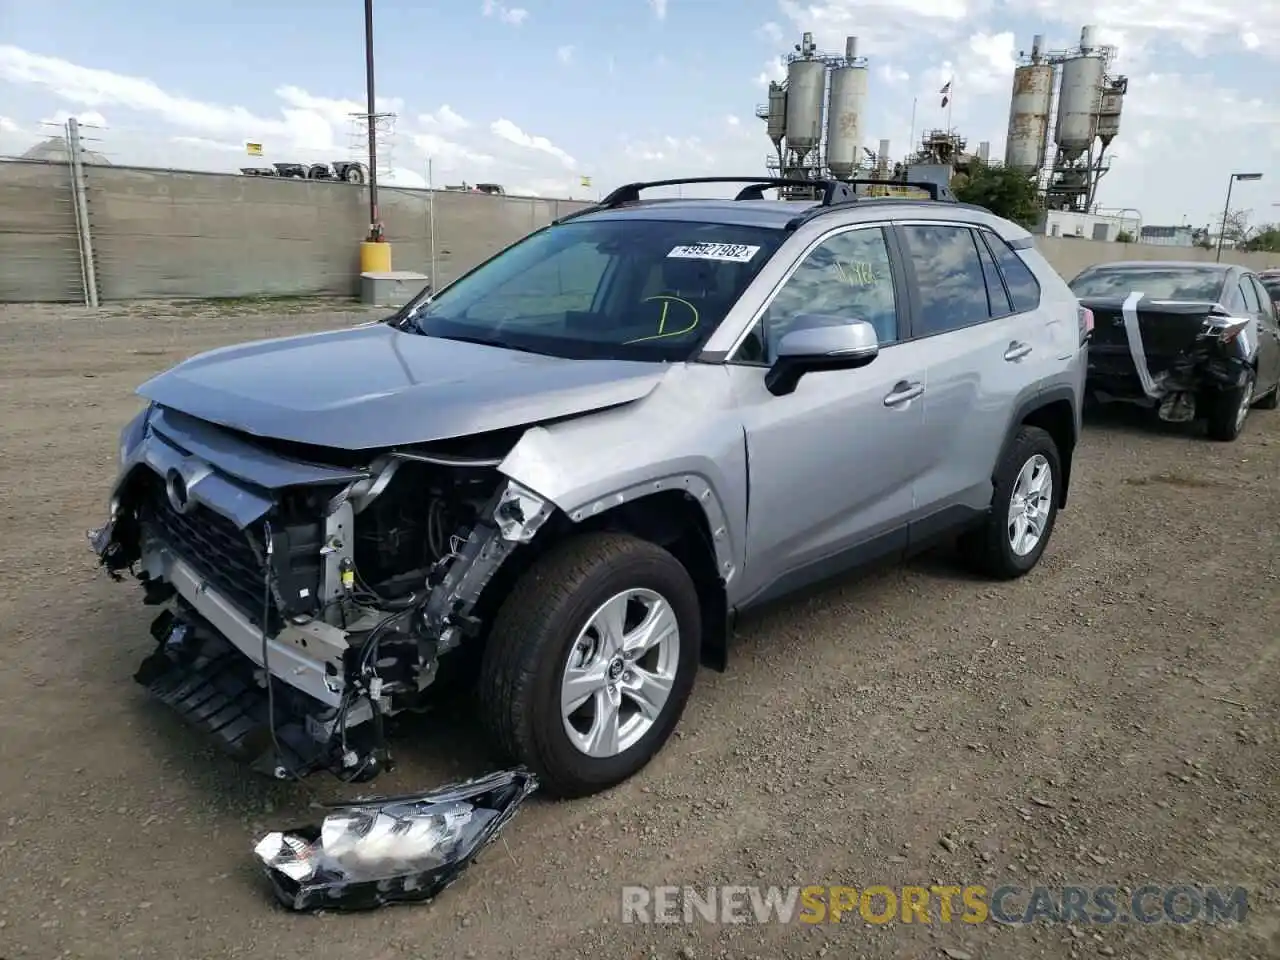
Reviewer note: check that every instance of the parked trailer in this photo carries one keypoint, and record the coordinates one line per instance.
(348, 171)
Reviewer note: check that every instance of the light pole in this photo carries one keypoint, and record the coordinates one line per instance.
(375, 228)
(1226, 210)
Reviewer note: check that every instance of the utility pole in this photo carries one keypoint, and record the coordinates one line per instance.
(375, 225)
(1226, 209)
(79, 191)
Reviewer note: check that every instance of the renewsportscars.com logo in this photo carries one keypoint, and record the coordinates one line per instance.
(972, 904)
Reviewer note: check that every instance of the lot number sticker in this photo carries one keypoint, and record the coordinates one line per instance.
(725, 252)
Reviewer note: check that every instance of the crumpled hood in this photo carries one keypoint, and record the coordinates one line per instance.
(375, 386)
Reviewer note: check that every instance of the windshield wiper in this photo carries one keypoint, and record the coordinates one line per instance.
(481, 341)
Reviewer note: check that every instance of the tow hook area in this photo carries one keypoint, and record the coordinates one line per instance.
(220, 692)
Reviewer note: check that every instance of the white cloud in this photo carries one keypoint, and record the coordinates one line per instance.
(565, 54)
(204, 143)
(774, 70)
(448, 153)
(885, 26)
(515, 16)
(9, 126)
(770, 31)
(892, 75)
(732, 121)
(401, 177)
(446, 120)
(659, 8)
(512, 134)
(1197, 25)
(306, 123)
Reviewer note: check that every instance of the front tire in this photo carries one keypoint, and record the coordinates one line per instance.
(1024, 508)
(590, 662)
(1229, 409)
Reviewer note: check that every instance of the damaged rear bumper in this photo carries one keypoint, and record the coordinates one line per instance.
(1172, 382)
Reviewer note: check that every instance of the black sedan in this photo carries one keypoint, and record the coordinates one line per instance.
(1190, 340)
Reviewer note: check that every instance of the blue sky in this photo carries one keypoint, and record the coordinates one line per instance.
(535, 94)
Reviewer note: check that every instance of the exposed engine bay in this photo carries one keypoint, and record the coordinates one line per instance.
(345, 582)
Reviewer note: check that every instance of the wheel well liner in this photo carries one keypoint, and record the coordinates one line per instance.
(1054, 411)
(672, 519)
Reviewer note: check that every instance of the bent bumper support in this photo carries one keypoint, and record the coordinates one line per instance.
(214, 688)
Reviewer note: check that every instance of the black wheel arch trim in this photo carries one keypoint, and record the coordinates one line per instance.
(1038, 399)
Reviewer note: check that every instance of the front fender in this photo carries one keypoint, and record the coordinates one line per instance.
(685, 436)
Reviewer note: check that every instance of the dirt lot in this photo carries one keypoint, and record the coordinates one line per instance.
(1111, 719)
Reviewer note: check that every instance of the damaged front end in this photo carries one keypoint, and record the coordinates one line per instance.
(307, 594)
(1171, 355)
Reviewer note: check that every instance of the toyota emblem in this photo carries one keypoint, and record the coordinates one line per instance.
(175, 486)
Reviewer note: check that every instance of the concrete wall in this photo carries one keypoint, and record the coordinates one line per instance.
(160, 233)
(39, 249)
(1070, 256)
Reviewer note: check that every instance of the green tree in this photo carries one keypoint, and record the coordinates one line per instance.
(1005, 192)
(1266, 239)
(1124, 236)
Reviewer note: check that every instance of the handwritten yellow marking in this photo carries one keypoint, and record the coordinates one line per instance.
(662, 333)
(857, 273)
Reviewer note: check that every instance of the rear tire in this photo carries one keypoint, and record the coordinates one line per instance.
(541, 625)
(1229, 409)
(1031, 458)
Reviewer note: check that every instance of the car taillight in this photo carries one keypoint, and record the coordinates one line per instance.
(1086, 323)
(1226, 329)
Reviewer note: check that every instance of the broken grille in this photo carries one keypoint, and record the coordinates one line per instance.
(216, 548)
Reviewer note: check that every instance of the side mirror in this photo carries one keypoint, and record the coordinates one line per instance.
(831, 344)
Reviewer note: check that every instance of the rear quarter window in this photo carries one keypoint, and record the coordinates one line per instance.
(1024, 288)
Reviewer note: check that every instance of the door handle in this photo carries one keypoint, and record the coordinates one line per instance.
(903, 392)
(1017, 351)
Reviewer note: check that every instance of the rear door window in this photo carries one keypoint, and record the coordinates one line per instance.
(1268, 307)
(1024, 288)
(1251, 302)
(953, 288)
(997, 296)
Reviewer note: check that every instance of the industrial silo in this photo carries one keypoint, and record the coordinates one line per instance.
(776, 113)
(845, 103)
(1029, 109)
(806, 87)
(1079, 99)
(1109, 112)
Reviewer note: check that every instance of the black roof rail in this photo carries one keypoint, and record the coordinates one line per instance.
(833, 191)
(938, 193)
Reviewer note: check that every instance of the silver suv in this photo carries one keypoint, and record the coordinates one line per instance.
(569, 470)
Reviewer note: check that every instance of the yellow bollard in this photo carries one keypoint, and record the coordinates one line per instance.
(375, 257)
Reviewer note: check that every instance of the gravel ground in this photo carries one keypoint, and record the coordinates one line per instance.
(1110, 719)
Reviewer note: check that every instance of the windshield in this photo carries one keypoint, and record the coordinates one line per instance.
(1162, 283)
(1272, 286)
(623, 289)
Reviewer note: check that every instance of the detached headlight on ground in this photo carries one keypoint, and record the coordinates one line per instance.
(391, 850)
